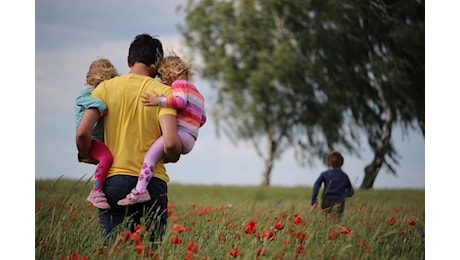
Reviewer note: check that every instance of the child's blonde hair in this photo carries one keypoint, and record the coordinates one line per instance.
(173, 68)
(100, 70)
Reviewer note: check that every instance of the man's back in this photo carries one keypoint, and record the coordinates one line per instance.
(131, 127)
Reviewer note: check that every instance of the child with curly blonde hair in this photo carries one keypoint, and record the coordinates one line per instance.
(191, 115)
(99, 70)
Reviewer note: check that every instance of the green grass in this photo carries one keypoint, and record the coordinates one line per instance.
(215, 217)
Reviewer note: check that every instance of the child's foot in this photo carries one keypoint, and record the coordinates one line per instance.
(134, 197)
(98, 199)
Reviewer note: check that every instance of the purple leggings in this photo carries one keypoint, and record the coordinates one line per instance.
(155, 152)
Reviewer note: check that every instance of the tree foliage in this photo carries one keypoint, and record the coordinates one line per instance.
(313, 75)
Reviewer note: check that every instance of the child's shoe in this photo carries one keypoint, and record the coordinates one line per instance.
(98, 199)
(134, 197)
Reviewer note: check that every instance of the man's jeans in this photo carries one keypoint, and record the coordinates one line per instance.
(155, 211)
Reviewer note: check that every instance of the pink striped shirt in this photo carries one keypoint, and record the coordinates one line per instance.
(189, 104)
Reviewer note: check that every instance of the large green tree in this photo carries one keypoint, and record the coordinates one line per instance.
(379, 51)
(312, 75)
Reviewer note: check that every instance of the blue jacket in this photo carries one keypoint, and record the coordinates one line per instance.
(85, 101)
(337, 185)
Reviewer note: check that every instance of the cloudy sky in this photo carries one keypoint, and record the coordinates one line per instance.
(69, 35)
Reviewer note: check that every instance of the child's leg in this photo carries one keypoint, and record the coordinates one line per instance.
(155, 152)
(101, 153)
(187, 140)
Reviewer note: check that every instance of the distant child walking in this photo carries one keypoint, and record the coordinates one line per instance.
(336, 184)
(191, 115)
(99, 70)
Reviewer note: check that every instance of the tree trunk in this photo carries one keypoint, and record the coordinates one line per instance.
(372, 170)
(267, 172)
(269, 162)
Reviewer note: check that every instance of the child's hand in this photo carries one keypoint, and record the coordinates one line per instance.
(87, 160)
(150, 99)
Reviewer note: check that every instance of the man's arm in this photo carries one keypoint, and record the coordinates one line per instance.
(84, 130)
(172, 144)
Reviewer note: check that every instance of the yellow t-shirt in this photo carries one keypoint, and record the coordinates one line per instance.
(130, 127)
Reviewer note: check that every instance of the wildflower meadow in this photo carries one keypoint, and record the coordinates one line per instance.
(230, 222)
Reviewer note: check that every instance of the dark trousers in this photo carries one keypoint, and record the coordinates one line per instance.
(333, 206)
(155, 211)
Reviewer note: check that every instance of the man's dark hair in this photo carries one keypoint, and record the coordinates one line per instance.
(145, 49)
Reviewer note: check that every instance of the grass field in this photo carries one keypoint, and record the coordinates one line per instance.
(226, 222)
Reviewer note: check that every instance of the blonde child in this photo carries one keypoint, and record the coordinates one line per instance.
(191, 115)
(99, 70)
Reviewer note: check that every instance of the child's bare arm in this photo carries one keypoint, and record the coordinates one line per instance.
(150, 99)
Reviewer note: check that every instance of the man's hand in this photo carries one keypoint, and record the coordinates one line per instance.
(166, 160)
(172, 146)
(104, 112)
(150, 99)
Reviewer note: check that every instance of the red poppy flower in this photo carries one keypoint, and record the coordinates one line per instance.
(260, 251)
(411, 222)
(345, 230)
(135, 237)
(139, 248)
(74, 256)
(174, 217)
(250, 227)
(124, 236)
(234, 252)
(139, 228)
(192, 247)
(178, 228)
(188, 256)
(333, 235)
(297, 220)
(152, 255)
(300, 249)
(268, 234)
(301, 236)
(175, 240)
(279, 226)
(391, 220)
